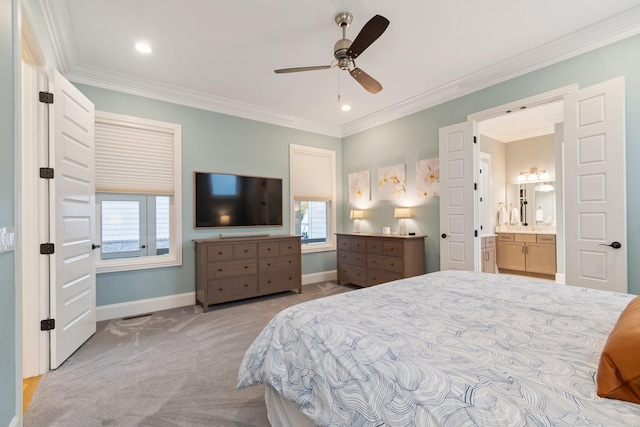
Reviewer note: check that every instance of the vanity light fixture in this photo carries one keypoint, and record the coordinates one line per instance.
(533, 176)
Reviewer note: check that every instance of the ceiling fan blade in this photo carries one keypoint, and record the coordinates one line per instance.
(369, 33)
(297, 69)
(367, 82)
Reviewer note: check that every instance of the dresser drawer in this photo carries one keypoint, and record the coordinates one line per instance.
(392, 249)
(216, 253)
(268, 249)
(349, 257)
(375, 246)
(375, 276)
(354, 244)
(527, 238)
(352, 274)
(385, 263)
(279, 281)
(278, 263)
(217, 270)
(232, 288)
(290, 248)
(244, 251)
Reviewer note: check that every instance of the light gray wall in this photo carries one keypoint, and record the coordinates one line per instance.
(416, 136)
(211, 142)
(529, 153)
(8, 362)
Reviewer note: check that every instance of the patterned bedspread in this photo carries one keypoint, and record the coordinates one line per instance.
(444, 349)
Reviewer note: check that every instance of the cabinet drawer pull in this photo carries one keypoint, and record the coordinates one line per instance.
(220, 253)
(246, 250)
(268, 264)
(246, 285)
(219, 269)
(220, 289)
(289, 261)
(246, 266)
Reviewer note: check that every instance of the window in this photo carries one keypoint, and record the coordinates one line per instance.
(138, 193)
(313, 197)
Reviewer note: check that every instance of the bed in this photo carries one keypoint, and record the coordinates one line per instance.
(449, 348)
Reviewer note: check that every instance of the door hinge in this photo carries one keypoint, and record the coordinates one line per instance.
(46, 97)
(475, 234)
(475, 185)
(475, 139)
(46, 173)
(47, 248)
(47, 324)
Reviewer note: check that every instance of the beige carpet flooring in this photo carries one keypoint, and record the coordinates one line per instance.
(174, 368)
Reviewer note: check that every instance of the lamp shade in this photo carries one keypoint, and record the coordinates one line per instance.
(402, 213)
(356, 214)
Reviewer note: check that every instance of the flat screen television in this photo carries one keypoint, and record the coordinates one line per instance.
(225, 200)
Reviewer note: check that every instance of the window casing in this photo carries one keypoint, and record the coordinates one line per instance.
(138, 193)
(313, 193)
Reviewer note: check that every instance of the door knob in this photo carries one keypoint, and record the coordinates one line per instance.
(614, 245)
(94, 246)
(444, 236)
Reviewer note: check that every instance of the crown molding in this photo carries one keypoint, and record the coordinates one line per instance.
(93, 76)
(600, 34)
(605, 32)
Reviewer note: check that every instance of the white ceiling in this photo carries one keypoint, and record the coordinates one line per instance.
(529, 123)
(220, 55)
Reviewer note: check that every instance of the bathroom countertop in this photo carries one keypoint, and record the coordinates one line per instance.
(526, 230)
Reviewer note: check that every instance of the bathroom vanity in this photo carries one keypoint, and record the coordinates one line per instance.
(528, 252)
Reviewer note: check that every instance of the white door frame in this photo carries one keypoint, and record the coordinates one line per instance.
(532, 101)
(34, 351)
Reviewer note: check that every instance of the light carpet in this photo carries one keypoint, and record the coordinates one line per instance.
(176, 367)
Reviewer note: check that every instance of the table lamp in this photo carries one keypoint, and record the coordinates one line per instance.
(356, 216)
(402, 213)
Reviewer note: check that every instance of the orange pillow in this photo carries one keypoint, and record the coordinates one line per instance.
(619, 369)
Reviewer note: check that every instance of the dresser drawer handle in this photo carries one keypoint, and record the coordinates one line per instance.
(246, 285)
(269, 281)
(392, 264)
(246, 250)
(219, 269)
(220, 289)
(246, 266)
(289, 261)
(268, 264)
(220, 253)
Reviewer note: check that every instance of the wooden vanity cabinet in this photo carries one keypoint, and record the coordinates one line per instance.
(489, 254)
(530, 253)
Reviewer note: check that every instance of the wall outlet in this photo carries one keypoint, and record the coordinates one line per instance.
(7, 239)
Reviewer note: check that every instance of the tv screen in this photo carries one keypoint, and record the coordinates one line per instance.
(224, 200)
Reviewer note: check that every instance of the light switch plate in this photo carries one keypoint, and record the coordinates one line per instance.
(7, 239)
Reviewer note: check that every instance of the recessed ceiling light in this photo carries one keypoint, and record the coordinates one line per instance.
(143, 47)
(345, 107)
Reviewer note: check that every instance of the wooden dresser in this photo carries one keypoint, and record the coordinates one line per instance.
(371, 259)
(238, 268)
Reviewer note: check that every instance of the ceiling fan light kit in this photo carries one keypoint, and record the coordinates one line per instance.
(345, 51)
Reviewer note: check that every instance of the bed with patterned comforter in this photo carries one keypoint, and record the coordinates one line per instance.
(444, 349)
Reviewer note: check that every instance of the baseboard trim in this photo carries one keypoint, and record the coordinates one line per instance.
(150, 305)
(560, 278)
(322, 276)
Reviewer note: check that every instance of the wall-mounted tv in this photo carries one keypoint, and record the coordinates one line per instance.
(225, 200)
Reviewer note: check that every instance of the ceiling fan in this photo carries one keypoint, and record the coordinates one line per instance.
(345, 51)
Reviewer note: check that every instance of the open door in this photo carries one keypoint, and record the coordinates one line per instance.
(72, 219)
(458, 222)
(595, 187)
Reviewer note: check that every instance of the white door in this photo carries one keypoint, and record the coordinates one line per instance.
(458, 222)
(72, 210)
(595, 189)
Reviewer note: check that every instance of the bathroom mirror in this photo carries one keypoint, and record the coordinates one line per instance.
(534, 203)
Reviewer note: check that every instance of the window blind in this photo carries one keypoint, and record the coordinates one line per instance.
(312, 173)
(133, 157)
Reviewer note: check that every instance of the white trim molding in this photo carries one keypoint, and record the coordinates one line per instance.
(323, 276)
(605, 32)
(149, 305)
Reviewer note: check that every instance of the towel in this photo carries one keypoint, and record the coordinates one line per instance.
(502, 215)
(515, 215)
